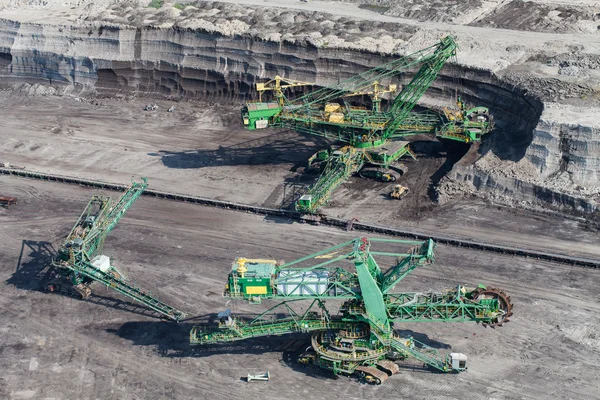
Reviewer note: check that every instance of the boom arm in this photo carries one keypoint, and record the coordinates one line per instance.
(411, 93)
(111, 215)
(113, 279)
(363, 82)
(419, 256)
(340, 166)
(80, 263)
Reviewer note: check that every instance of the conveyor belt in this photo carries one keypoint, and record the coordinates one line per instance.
(358, 226)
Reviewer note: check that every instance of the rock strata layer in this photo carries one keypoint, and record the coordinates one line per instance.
(186, 63)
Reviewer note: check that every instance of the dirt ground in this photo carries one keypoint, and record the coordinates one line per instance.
(54, 347)
(201, 149)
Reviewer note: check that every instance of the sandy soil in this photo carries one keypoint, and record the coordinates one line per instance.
(201, 149)
(57, 347)
(54, 347)
(485, 46)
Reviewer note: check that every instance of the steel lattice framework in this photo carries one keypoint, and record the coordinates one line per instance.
(364, 322)
(374, 139)
(79, 262)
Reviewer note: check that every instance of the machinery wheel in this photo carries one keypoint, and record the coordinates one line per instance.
(504, 304)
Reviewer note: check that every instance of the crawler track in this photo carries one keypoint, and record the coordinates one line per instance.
(358, 226)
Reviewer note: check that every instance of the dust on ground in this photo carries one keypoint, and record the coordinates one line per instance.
(202, 149)
(55, 346)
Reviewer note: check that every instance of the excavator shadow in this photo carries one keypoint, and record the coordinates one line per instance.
(290, 356)
(426, 149)
(423, 338)
(33, 266)
(112, 301)
(169, 339)
(172, 340)
(34, 269)
(278, 148)
(455, 152)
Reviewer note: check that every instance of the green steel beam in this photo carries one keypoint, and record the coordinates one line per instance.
(372, 306)
(232, 328)
(372, 296)
(421, 256)
(124, 287)
(440, 307)
(340, 166)
(364, 80)
(107, 218)
(86, 240)
(411, 93)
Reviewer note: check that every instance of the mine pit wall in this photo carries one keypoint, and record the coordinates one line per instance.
(571, 148)
(555, 148)
(512, 191)
(182, 63)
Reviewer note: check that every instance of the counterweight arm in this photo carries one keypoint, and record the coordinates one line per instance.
(411, 93)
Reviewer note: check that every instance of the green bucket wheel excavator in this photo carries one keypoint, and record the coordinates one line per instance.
(373, 141)
(360, 338)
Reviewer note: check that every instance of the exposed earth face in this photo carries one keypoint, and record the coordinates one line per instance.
(75, 78)
(540, 82)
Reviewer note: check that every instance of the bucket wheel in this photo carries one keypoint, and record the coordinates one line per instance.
(480, 116)
(505, 305)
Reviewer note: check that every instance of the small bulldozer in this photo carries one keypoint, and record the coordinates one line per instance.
(399, 192)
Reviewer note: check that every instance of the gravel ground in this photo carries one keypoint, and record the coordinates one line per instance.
(54, 347)
(61, 348)
(201, 149)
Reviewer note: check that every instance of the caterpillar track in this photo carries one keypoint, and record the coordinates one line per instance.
(358, 226)
(389, 367)
(379, 373)
(372, 375)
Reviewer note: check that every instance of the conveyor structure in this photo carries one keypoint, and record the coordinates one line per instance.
(80, 262)
(374, 140)
(360, 337)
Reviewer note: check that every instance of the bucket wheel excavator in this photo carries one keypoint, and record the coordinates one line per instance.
(372, 141)
(359, 338)
(80, 263)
